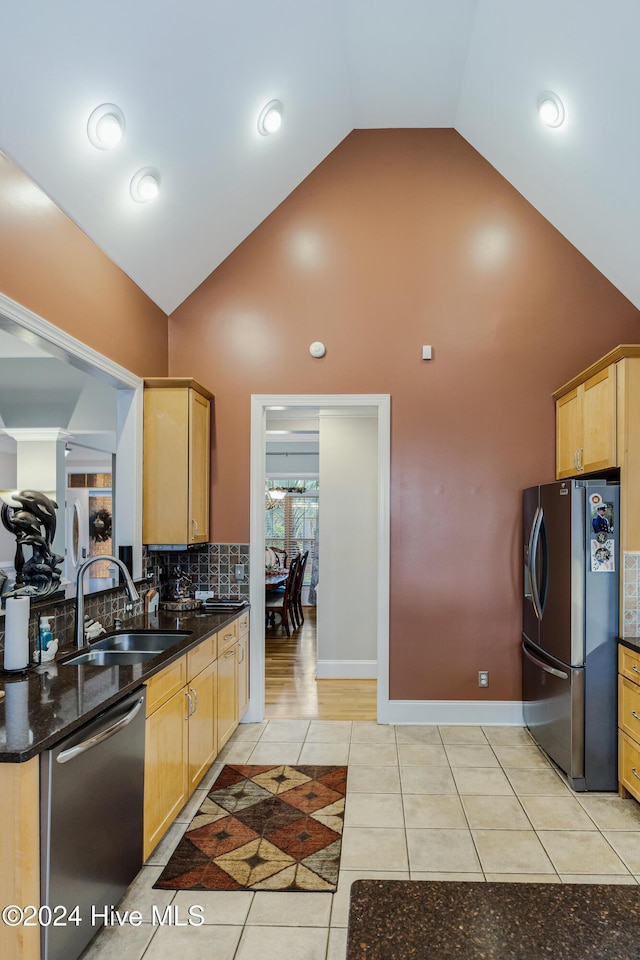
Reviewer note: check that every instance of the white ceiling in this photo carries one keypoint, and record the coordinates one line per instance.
(192, 77)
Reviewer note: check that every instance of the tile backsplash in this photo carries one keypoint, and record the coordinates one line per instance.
(210, 566)
(630, 626)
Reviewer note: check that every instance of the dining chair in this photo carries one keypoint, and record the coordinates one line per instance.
(280, 555)
(282, 604)
(298, 615)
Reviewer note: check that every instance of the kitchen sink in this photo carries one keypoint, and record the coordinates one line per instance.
(111, 658)
(141, 640)
(121, 649)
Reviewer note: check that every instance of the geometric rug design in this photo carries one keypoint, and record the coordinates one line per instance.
(263, 828)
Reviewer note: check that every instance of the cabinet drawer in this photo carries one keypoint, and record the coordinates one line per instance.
(201, 656)
(164, 684)
(629, 707)
(227, 637)
(243, 624)
(629, 664)
(629, 764)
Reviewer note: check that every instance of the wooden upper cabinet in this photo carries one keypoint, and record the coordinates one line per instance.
(586, 425)
(176, 457)
(568, 434)
(599, 421)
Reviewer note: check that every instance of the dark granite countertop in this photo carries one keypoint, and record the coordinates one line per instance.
(48, 702)
(442, 920)
(632, 642)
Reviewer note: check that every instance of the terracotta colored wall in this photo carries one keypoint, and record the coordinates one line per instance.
(50, 266)
(399, 238)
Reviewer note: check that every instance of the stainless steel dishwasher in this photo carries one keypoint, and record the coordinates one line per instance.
(91, 787)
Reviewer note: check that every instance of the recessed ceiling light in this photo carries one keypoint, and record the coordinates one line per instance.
(270, 118)
(105, 126)
(551, 109)
(145, 185)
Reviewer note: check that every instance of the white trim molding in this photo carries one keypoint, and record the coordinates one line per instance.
(28, 326)
(381, 404)
(347, 669)
(454, 712)
(17, 319)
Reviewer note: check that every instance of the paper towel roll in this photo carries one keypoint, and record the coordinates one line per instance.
(16, 633)
(19, 736)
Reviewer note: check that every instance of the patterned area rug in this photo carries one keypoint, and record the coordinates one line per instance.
(263, 828)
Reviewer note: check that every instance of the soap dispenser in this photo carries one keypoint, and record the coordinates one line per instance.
(45, 635)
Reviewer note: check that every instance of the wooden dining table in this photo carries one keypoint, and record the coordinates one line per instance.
(275, 577)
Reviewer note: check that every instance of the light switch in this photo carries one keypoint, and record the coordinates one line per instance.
(426, 352)
(238, 571)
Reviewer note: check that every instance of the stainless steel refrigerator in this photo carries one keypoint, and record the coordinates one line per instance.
(570, 626)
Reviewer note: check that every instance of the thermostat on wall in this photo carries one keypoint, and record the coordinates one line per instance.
(317, 349)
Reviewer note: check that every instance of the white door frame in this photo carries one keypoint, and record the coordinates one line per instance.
(259, 404)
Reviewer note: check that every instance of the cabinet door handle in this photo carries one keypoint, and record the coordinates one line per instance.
(228, 636)
(634, 714)
(575, 459)
(241, 658)
(231, 653)
(635, 772)
(580, 464)
(195, 698)
(634, 668)
(190, 707)
(194, 523)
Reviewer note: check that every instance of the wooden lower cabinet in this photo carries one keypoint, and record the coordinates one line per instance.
(193, 707)
(629, 722)
(20, 853)
(227, 694)
(165, 767)
(243, 675)
(203, 745)
(181, 738)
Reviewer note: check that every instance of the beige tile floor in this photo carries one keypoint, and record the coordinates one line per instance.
(423, 803)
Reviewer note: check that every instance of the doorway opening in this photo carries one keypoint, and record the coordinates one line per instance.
(352, 570)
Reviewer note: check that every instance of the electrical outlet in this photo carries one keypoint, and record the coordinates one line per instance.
(483, 678)
(238, 571)
(203, 594)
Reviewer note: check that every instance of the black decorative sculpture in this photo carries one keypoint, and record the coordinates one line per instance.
(33, 524)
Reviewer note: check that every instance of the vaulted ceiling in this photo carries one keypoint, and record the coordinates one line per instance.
(192, 77)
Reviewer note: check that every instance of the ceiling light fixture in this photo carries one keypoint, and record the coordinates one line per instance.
(145, 185)
(270, 118)
(551, 109)
(105, 126)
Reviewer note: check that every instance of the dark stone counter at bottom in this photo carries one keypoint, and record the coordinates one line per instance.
(441, 920)
(633, 643)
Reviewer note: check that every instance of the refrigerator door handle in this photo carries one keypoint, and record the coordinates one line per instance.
(533, 570)
(545, 666)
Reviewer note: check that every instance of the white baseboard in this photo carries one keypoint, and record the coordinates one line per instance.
(451, 712)
(347, 669)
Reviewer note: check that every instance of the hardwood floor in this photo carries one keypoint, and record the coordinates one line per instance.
(291, 688)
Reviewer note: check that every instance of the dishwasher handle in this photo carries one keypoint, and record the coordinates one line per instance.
(93, 741)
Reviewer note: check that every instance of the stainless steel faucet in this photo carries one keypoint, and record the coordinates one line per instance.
(131, 588)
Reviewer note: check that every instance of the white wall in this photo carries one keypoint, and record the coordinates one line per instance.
(348, 521)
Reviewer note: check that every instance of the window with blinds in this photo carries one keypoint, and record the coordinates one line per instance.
(291, 518)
